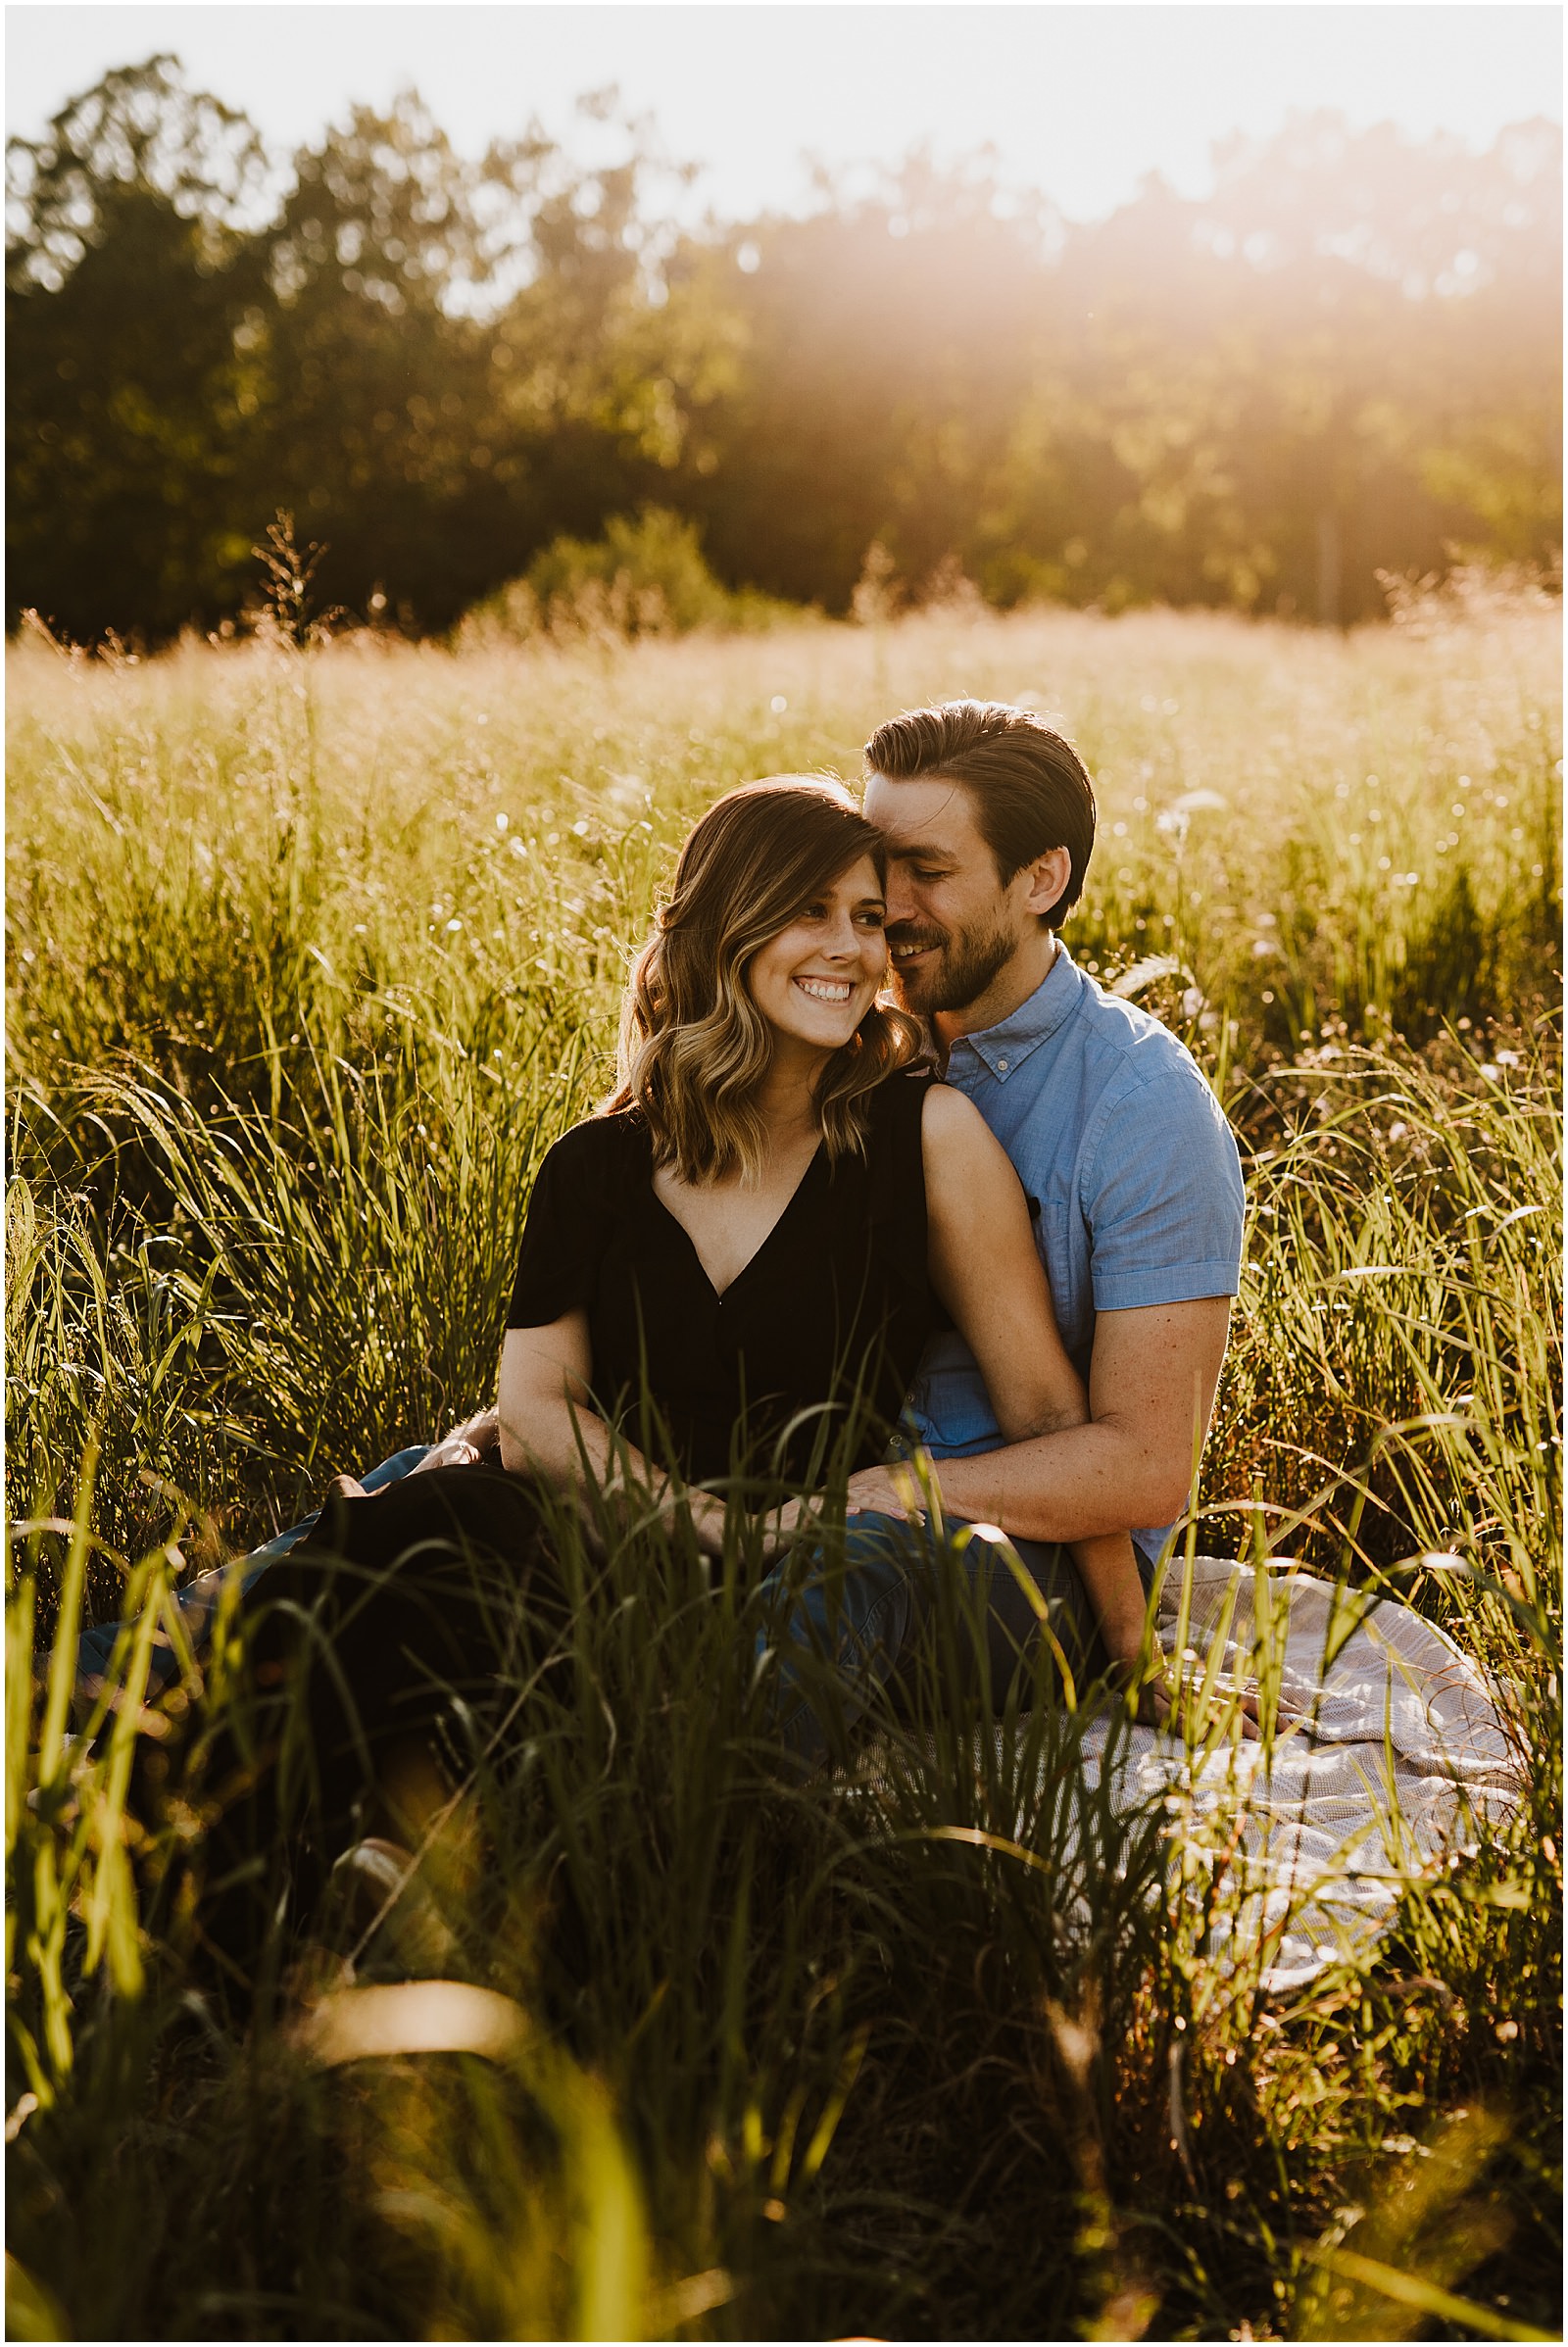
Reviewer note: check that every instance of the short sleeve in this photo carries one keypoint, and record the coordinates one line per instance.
(1164, 1201)
(565, 1232)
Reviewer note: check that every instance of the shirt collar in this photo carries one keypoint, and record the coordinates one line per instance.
(1003, 1047)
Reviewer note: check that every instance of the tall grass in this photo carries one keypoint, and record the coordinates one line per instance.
(312, 956)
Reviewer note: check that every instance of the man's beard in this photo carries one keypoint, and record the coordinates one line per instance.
(959, 971)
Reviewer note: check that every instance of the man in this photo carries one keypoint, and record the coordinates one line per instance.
(1121, 1145)
(1135, 1185)
(1136, 1196)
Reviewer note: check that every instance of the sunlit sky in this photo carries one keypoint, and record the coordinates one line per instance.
(1079, 102)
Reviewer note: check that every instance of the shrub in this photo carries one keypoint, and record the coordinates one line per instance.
(646, 576)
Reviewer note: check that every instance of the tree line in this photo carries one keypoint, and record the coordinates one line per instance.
(1346, 359)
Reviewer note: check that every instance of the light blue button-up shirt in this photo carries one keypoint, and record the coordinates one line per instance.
(1131, 1169)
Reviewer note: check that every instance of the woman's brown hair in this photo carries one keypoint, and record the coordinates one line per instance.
(693, 1047)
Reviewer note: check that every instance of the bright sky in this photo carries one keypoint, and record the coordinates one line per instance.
(1080, 101)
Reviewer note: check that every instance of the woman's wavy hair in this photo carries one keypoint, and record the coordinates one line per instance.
(693, 1047)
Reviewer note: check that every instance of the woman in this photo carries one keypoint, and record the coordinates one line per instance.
(725, 1284)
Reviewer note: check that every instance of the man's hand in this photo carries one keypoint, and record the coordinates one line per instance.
(1158, 1685)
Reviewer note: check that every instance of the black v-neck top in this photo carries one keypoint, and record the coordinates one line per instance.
(809, 1350)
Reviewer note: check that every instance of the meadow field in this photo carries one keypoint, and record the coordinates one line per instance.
(312, 950)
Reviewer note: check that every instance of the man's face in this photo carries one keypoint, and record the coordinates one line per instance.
(952, 925)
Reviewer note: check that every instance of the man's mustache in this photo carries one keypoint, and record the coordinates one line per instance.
(907, 933)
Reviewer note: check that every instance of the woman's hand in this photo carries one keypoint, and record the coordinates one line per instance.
(781, 1526)
(873, 1491)
(476, 1442)
(886, 1491)
(709, 1517)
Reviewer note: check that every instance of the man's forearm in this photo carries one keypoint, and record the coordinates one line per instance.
(1098, 1477)
(1152, 1386)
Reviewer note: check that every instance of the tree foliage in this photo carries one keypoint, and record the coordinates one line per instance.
(1345, 359)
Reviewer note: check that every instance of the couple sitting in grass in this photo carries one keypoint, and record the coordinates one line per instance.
(891, 1201)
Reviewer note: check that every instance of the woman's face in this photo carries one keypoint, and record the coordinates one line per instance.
(817, 980)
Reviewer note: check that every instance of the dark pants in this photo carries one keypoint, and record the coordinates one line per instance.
(401, 1614)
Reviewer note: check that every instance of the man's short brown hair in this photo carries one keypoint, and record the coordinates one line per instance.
(1028, 784)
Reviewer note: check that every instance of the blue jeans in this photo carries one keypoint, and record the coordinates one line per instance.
(841, 1627)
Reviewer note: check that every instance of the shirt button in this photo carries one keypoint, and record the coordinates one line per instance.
(1002, 1067)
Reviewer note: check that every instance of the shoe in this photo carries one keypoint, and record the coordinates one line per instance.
(383, 1916)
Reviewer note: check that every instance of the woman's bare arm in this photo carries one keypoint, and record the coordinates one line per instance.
(985, 1267)
(549, 1426)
